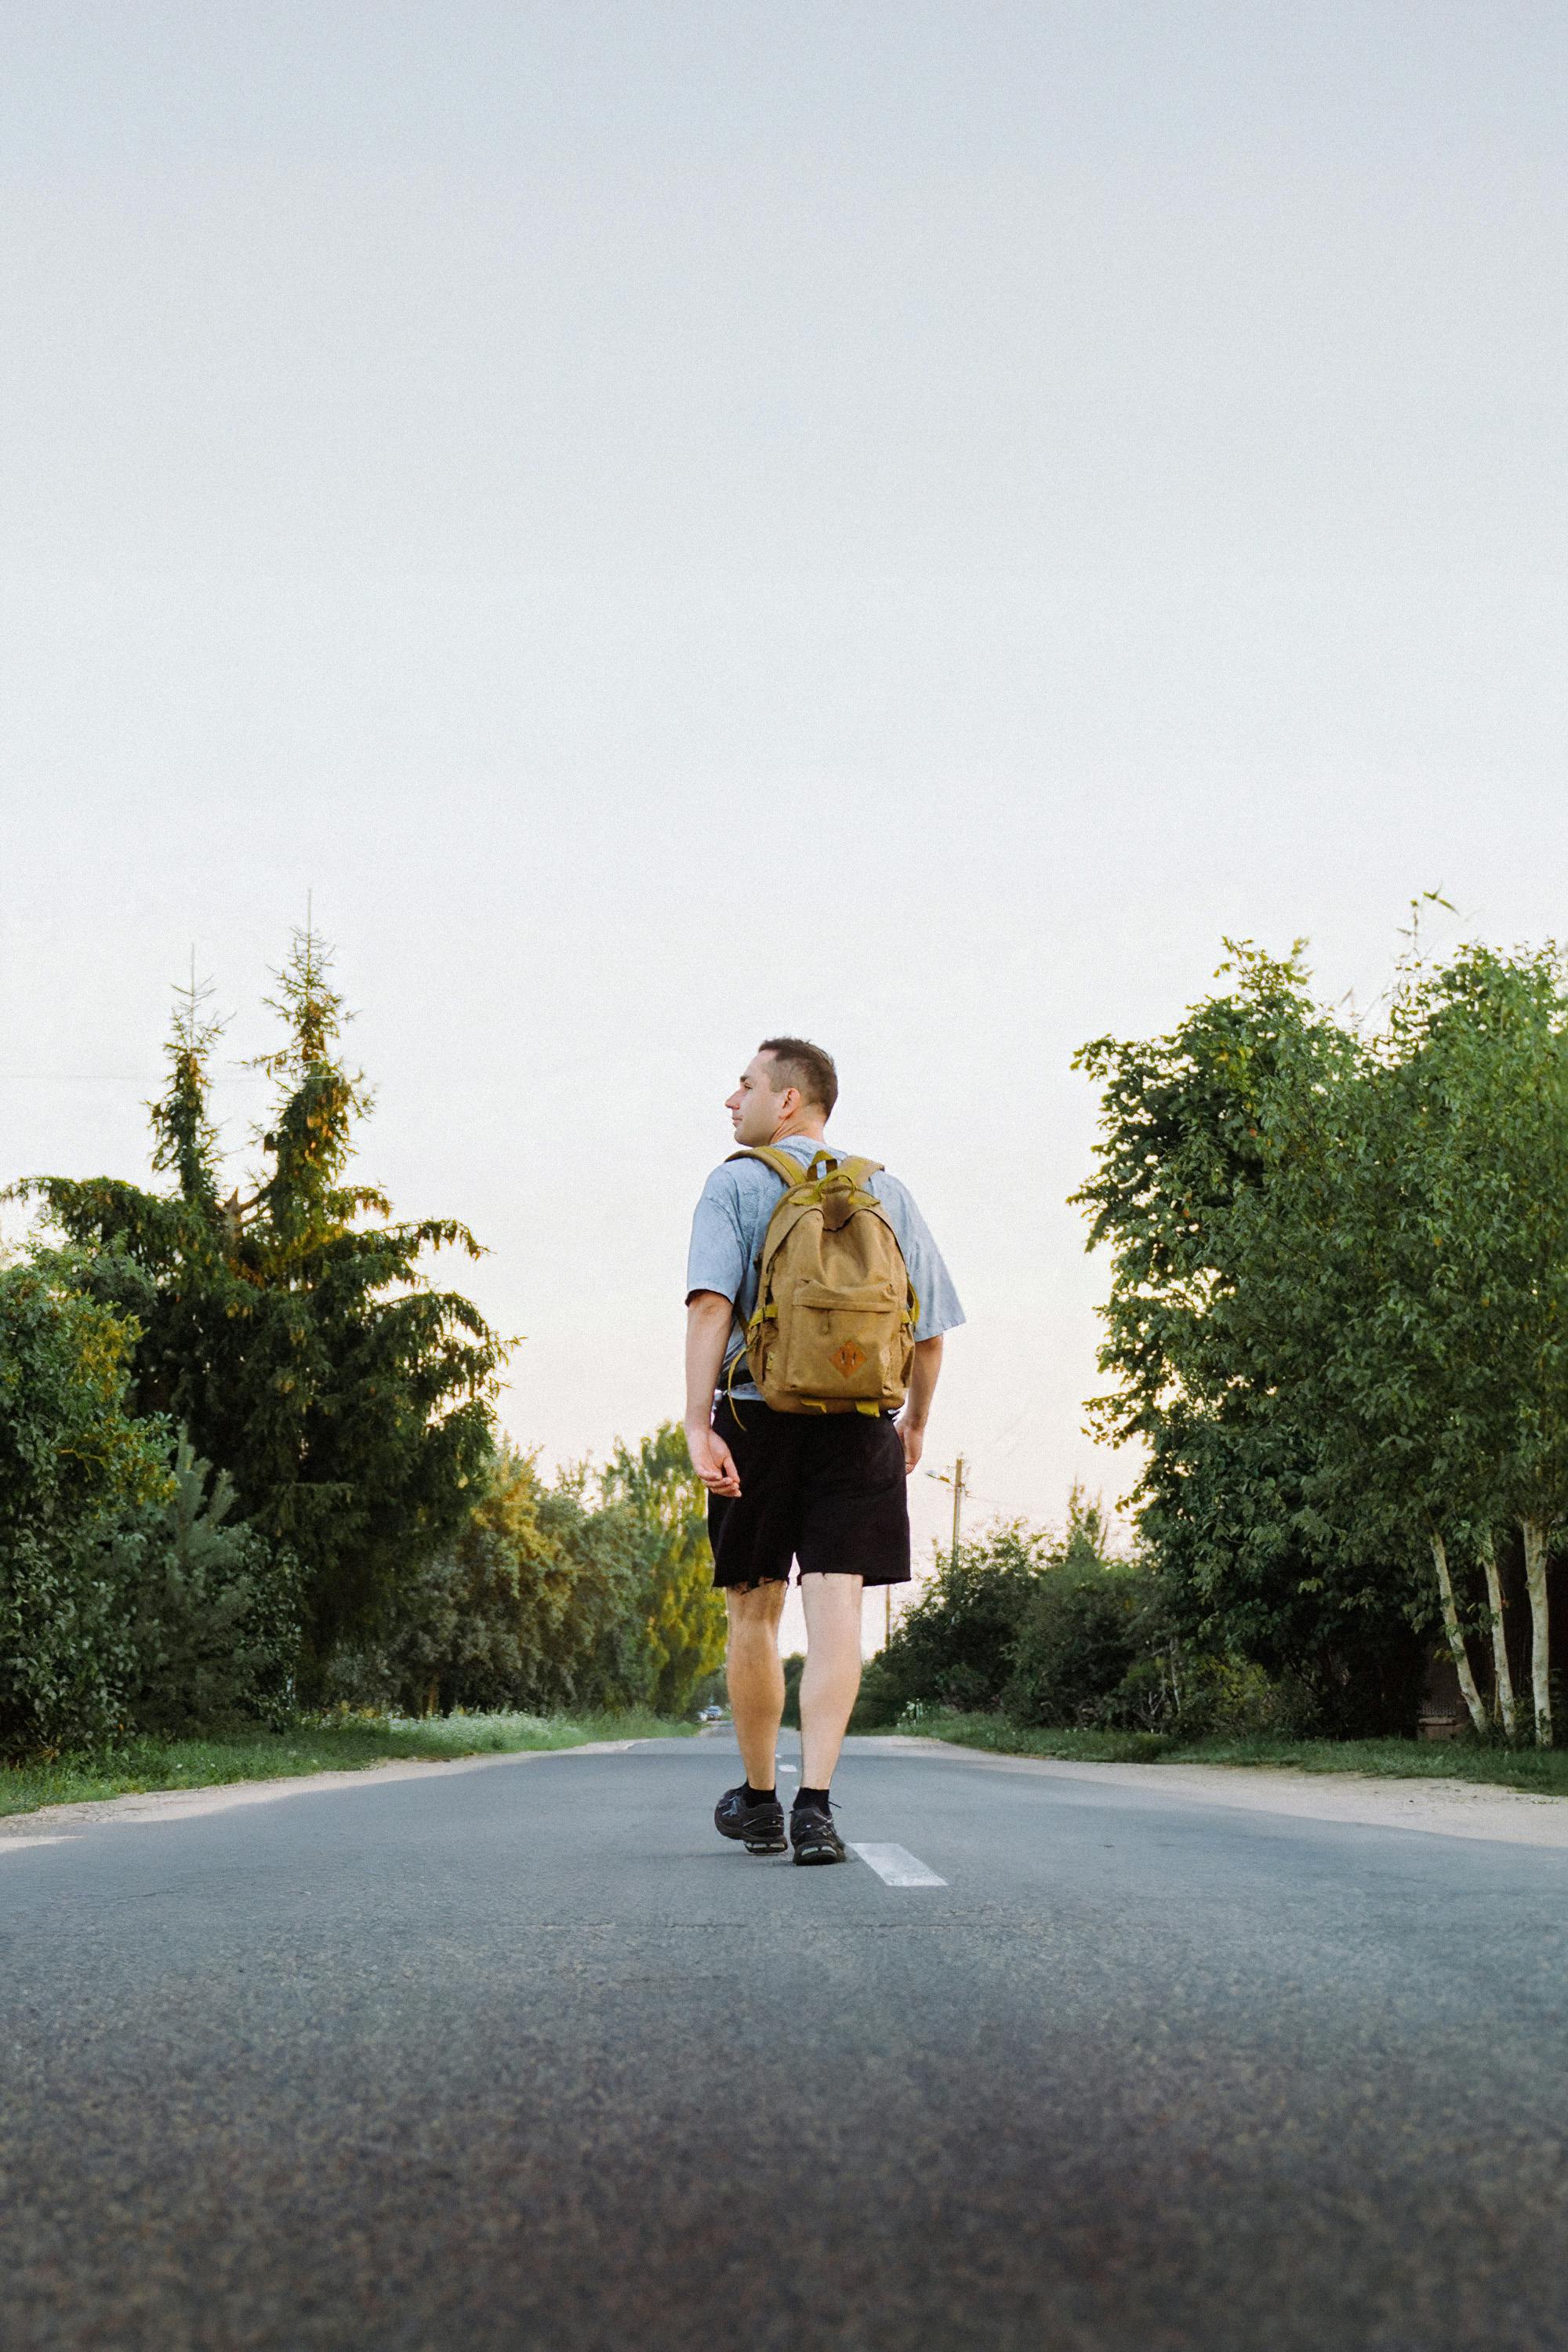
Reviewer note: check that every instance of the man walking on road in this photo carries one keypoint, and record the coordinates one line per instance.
(818, 1483)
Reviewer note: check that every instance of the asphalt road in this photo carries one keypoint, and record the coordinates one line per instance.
(526, 2056)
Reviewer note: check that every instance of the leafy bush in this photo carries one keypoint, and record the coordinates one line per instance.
(955, 1646)
(1102, 1647)
(1196, 1695)
(1054, 1632)
(1079, 1636)
(128, 1600)
(73, 1463)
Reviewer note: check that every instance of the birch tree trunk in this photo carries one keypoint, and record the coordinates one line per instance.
(1500, 1639)
(1536, 1533)
(1456, 1638)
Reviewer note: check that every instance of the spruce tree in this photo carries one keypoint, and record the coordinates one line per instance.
(293, 1332)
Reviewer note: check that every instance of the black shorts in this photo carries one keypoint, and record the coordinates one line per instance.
(826, 1489)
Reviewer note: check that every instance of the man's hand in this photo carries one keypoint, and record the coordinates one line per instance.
(911, 1423)
(711, 1459)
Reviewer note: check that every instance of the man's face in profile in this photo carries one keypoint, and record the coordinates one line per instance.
(757, 1107)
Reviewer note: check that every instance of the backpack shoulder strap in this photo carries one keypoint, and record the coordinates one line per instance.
(784, 1164)
(792, 1171)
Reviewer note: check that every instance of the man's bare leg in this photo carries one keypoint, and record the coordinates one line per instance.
(832, 1676)
(756, 1675)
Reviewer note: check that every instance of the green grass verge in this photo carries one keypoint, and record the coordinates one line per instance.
(1542, 1770)
(309, 1745)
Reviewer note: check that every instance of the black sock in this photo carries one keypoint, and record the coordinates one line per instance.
(761, 1796)
(816, 1797)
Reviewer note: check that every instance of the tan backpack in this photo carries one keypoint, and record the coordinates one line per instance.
(834, 1326)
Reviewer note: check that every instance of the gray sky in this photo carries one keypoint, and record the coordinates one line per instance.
(905, 522)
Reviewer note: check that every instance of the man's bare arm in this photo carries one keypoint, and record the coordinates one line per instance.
(924, 1374)
(709, 1315)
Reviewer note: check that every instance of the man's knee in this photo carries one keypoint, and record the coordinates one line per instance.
(831, 1599)
(755, 1608)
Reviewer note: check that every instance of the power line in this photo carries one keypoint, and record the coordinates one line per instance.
(107, 1078)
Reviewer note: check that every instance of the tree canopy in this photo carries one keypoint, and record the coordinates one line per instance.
(294, 1331)
(1339, 1291)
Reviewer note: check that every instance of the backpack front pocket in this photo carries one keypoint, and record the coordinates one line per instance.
(841, 1346)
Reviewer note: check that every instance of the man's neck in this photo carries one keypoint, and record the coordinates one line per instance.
(805, 1129)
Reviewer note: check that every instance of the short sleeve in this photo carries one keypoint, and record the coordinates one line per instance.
(939, 1307)
(717, 1258)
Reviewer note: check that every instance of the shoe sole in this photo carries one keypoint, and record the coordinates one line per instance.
(811, 1854)
(775, 1843)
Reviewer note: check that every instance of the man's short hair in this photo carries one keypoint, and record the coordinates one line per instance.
(802, 1064)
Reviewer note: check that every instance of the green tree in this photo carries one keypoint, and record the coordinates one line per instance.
(213, 1610)
(294, 1332)
(666, 1504)
(1215, 1190)
(1338, 1293)
(1467, 1318)
(537, 1603)
(1404, 1272)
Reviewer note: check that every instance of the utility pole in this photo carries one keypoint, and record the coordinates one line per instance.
(955, 1479)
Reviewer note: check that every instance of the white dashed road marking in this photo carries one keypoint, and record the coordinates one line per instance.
(897, 1866)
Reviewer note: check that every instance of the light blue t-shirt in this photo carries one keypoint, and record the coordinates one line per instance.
(732, 1222)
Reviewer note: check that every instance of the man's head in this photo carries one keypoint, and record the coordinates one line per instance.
(788, 1087)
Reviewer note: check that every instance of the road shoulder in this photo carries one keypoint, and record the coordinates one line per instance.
(1442, 1808)
(48, 1823)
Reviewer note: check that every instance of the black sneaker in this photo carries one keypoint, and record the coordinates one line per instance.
(760, 1828)
(814, 1836)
